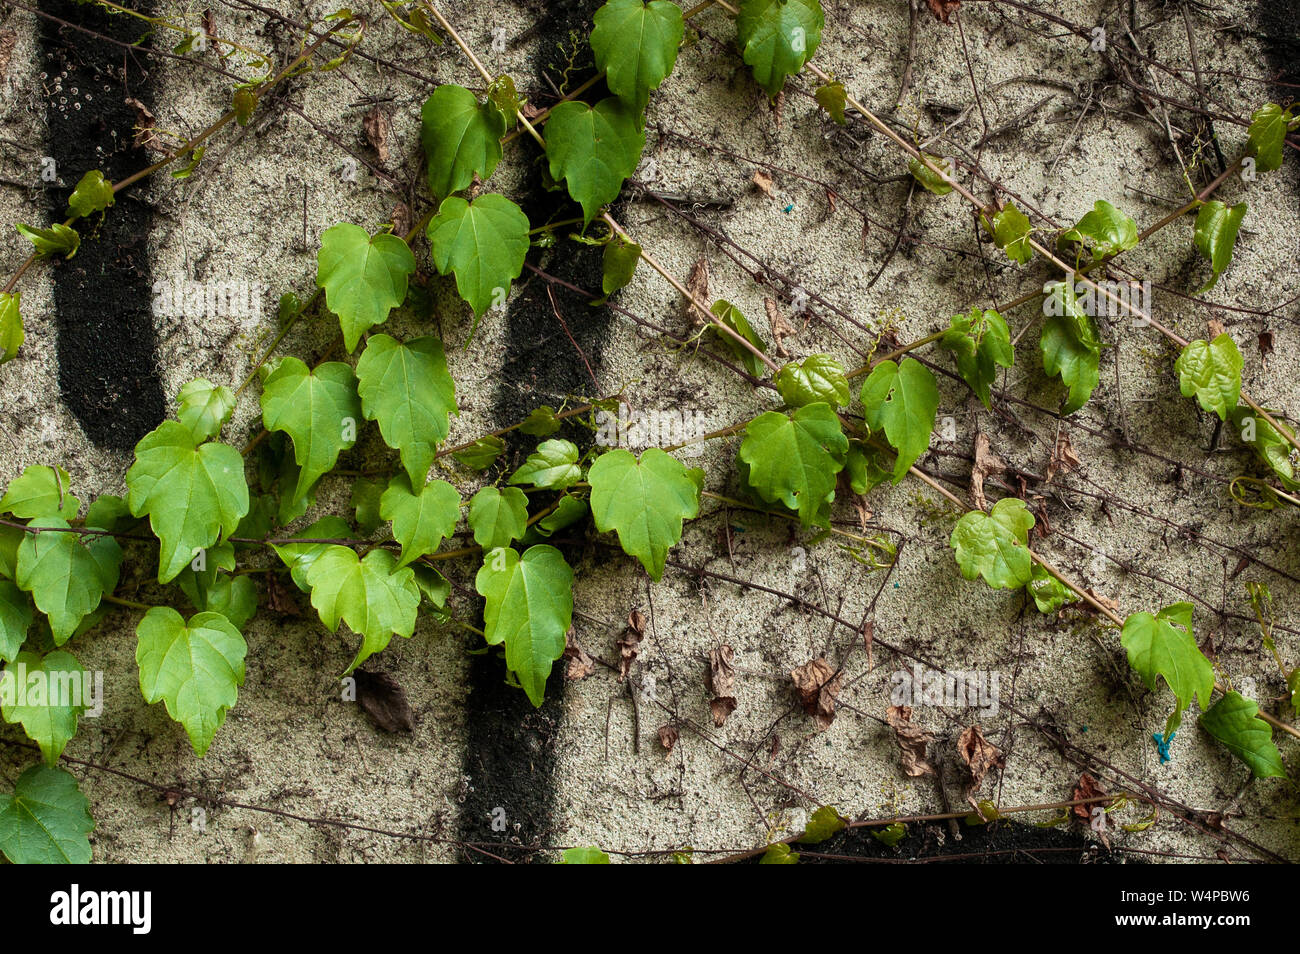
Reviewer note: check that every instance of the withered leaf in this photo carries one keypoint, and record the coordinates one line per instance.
(376, 125)
(781, 329)
(764, 182)
(722, 683)
(580, 664)
(146, 136)
(986, 464)
(942, 9)
(629, 644)
(912, 741)
(279, 598)
(1063, 459)
(384, 700)
(1088, 787)
(817, 685)
(8, 38)
(668, 736)
(980, 756)
(697, 283)
(1265, 339)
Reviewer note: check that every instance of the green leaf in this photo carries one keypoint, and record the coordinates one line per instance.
(980, 343)
(433, 586)
(865, 467)
(193, 494)
(15, 619)
(825, 824)
(937, 182)
(731, 316)
(1105, 231)
(92, 194)
(318, 409)
(11, 326)
(636, 46)
(483, 243)
(1269, 444)
(194, 668)
(243, 102)
(498, 516)
(902, 400)
(58, 239)
(1212, 372)
(234, 597)
(620, 259)
(1234, 723)
(109, 512)
(420, 521)
(1163, 645)
(204, 408)
(593, 149)
(44, 693)
(540, 422)
(405, 386)
(374, 596)
(10, 538)
(995, 545)
(364, 277)
(46, 820)
(1268, 129)
(299, 557)
(366, 495)
(777, 37)
(644, 501)
(818, 377)
(890, 835)
(793, 459)
(482, 454)
(66, 577)
(1011, 233)
(529, 607)
(1049, 593)
(504, 95)
(1070, 346)
(833, 98)
(568, 511)
(553, 466)
(592, 855)
(1216, 235)
(779, 854)
(461, 138)
(40, 492)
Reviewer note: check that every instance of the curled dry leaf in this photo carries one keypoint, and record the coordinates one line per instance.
(8, 38)
(377, 125)
(980, 756)
(1063, 459)
(1265, 341)
(986, 464)
(781, 329)
(580, 664)
(668, 736)
(402, 219)
(629, 644)
(722, 683)
(817, 685)
(1088, 787)
(942, 9)
(912, 741)
(764, 182)
(384, 700)
(146, 136)
(279, 598)
(697, 283)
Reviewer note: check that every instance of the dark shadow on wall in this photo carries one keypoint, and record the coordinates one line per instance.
(108, 373)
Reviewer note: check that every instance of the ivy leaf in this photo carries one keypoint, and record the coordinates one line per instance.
(620, 260)
(15, 619)
(58, 239)
(44, 707)
(1163, 645)
(498, 516)
(11, 326)
(1234, 723)
(902, 399)
(865, 468)
(364, 277)
(1216, 235)
(420, 521)
(593, 149)
(833, 98)
(109, 512)
(204, 408)
(540, 422)
(46, 819)
(818, 377)
(995, 545)
(461, 138)
(584, 856)
(1011, 233)
(483, 243)
(10, 538)
(980, 343)
(825, 824)
(553, 466)
(66, 577)
(194, 668)
(731, 316)
(299, 557)
(40, 492)
(1070, 346)
(644, 501)
(1105, 231)
(529, 607)
(318, 409)
(193, 494)
(933, 181)
(779, 853)
(366, 495)
(793, 459)
(1268, 128)
(568, 511)
(92, 194)
(1212, 372)
(405, 386)
(1049, 593)
(482, 454)
(374, 596)
(636, 46)
(777, 37)
(1271, 446)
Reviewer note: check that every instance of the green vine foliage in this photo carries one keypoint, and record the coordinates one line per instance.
(209, 507)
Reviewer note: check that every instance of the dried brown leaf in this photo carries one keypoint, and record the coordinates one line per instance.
(279, 598)
(912, 741)
(980, 756)
(7, 40)
(629, 644)
(942, 9)
(722, 683)
(697, 283)
(1265, 338)
(986, 464)
(668, 736)
(781, 329)
(817, 685)
(145, 136)
(384, 701)
(580, 664)
(1064, 459)
(1088, 787)
(765, 182)
(377, 125)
